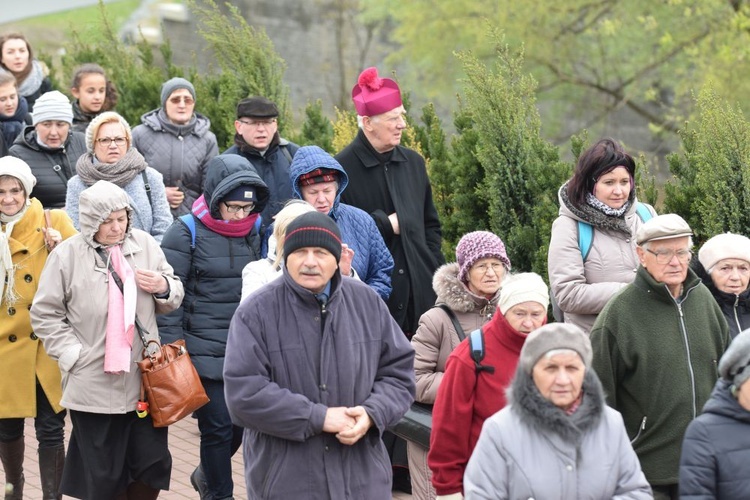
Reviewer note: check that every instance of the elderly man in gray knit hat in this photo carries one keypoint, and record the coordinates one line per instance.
(716, 449)
(315, 370)
(178, 142)
(656, 346)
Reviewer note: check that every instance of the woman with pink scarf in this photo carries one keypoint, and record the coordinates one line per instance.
(87, 324)
(209, 259)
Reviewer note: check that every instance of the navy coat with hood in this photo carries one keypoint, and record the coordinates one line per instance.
(212, 271)
(372, 259)
(716, 450)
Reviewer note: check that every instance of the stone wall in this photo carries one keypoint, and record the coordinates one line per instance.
(324, 49)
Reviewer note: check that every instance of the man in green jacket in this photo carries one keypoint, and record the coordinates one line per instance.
(656, 347)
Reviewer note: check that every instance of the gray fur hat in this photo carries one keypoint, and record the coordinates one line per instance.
(735, 363)
(551, 337)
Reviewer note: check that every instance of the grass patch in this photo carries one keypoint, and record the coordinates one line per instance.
(48, 33)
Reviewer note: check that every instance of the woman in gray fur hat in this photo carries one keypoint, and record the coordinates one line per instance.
(557, 438)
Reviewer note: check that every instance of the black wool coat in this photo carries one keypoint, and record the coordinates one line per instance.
(399, 185)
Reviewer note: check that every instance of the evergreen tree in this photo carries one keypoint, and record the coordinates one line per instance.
(522, 171)
(711, 185)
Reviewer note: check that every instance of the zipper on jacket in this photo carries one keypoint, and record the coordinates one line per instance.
(641, 428)
(736, 318)
(687, 353)
(322, 385)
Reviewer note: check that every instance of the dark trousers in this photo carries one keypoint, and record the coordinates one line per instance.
(220, 439)
(49, 426)
(666, 492)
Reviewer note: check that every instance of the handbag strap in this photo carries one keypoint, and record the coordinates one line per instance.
(454, 320)
(118, 281)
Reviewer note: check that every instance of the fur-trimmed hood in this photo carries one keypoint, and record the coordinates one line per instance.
(453, 293)
(539, 413)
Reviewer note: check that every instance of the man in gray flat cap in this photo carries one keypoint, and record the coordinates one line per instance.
(656, 347)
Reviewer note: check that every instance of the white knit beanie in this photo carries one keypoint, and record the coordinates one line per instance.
(724, 246)
(523, 287)
(52, 106)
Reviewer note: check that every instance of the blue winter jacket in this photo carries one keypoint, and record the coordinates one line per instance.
(211, 272)
(372, 259)
(288, 360)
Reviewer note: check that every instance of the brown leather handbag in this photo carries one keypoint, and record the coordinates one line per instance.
(171, 384)
(169, 381)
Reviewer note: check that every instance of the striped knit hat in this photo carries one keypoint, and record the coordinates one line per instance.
(313, 229)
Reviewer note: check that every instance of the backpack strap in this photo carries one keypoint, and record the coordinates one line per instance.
(643, 212)
(148, 187)
(189, 221)
(585, 238)
(454, 320)
(476, 349)
(586, 230)
(285, 150)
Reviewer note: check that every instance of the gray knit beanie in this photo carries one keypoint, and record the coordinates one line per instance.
(734, 364)
(52, 105)
(175, 83)
(552, 337)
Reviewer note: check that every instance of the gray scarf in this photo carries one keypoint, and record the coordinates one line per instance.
(121, 172)
(33, 80)
(596, 218)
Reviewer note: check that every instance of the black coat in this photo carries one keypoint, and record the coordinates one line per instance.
(51, 167)
(212, 271)
(399, 185)
(716, 450)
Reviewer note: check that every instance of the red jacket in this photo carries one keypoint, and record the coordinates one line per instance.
(464, 401)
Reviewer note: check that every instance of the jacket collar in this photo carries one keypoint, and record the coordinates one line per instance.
(369, 157)
(645, 281)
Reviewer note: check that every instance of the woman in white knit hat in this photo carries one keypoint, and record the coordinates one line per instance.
(724, 265)
(556, 438)
(29, 379)
(471, 391)
(50, 148)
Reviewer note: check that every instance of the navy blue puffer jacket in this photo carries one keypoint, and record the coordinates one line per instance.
(212, 271)
(716, 450)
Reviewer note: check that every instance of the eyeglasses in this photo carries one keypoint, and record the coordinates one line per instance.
(106, 141)
(258, 123)
(497, 268)
(233, 209)
(666, 257)
(182, 98)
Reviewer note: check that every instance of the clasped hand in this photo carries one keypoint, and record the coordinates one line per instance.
(349, 424)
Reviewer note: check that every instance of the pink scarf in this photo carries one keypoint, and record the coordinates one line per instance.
(230, 228)
(120, 315)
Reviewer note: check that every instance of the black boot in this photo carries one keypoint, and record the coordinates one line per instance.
(11, 455)
(198, 480)
(51, 462)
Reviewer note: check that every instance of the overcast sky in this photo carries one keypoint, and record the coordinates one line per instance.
(24, 9)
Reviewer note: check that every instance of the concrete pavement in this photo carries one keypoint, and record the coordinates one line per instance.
(183, 444)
